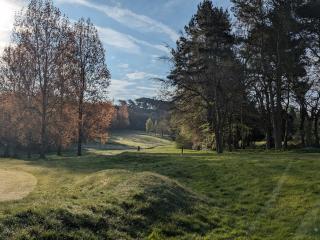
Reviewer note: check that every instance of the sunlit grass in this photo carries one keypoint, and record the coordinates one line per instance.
(135, 138)
(161, 194)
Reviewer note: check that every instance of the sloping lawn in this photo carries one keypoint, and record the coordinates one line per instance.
(159, 194)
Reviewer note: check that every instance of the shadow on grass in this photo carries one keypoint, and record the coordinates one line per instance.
(241, 185)
(133, 161)
(97, 159)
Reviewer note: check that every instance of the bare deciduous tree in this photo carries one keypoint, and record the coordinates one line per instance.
(92, 76)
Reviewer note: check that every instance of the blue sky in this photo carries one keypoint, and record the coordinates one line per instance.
(134, 33)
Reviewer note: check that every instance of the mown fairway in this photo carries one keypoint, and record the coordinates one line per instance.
(159, 194)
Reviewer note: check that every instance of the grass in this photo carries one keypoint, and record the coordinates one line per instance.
(133, 139)
(159, 194)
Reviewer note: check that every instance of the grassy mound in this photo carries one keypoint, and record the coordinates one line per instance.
(15, 185)
(134, 139)
(121, 184)
(115, 204)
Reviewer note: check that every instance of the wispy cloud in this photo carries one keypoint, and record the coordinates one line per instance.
(152, 88)
(155, 46)
(141, 75)
(177, 3)
(119, 40)
(129, 18)
(122, 89)
(126, 42)
(119, 88)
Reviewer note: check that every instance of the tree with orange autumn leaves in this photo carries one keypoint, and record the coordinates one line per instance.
(53, 81)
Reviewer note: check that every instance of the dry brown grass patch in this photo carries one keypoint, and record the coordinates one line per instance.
(15, 185)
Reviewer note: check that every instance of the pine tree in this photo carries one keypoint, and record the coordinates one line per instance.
(203, 68)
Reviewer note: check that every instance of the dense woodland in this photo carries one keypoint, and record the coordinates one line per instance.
(236, 78)
(144, 114)
(249, 78)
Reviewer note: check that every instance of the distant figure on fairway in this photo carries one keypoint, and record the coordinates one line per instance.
(139, 148)
(181, 150)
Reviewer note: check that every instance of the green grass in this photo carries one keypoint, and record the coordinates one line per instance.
(159, 194)
(133, 139)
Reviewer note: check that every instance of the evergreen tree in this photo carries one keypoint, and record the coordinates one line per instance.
(204, 67)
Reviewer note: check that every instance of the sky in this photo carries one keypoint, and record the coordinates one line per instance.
(135, 34)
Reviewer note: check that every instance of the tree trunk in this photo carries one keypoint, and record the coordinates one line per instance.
(241, 122)
(43, 126)
(61, 107)
(316, 130)
(215, 125)
(218, 133)
(286, 133)
(6, 151)
(80, 134)
(309, 132)
(44, 92)
(236, 139)
(59, 150)
(29, 144)
(217, 116)
(80, 113)
(219, 147)
(230, 134)
(269, 139)
(301, 126)
(285, 139)
(277, 118)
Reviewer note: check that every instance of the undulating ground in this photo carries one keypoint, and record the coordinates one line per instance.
(116, 192)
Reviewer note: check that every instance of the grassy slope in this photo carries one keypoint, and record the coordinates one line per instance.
(158, 194)
(135, 139)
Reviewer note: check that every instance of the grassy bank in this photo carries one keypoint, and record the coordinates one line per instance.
(159, 194)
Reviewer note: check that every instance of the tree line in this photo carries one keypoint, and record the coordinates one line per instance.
(143, 114)
(233, 81)
(53, 83)
(248, 78)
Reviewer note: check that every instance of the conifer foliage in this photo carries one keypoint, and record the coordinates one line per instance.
(255, 78)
